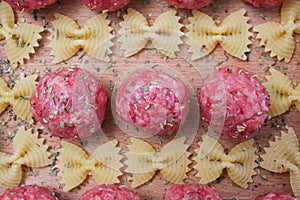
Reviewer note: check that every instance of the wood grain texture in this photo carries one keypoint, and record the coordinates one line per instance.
(194, 72)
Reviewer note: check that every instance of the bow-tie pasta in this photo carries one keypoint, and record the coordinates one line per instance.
(144, 161)
(29, 150)
(233, 34)
(239, 163)
(282, 156)
(20, 39)
(164, 34)
(18, 97)
(67, 38)
(75, 164)
(278, 37)
(282, 92)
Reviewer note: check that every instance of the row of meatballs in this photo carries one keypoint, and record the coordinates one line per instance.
(71, 103)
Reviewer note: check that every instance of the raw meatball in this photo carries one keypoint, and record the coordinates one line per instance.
(28, 192)
(30, 4)
(264, 3)
(69, 100)
(191, 192)
(245, 99)
(109, 192)
(110, 5)
(189, 4)
(275, 196)
(153, 101)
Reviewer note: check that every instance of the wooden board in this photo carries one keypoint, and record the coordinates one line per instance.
(194, 72)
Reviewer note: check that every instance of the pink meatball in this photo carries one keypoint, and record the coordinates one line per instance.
(28, 192)
(109, 192)
(153, 101)
(264, 3)
(30, 4)
(69, 100)
(189, 4)
(191, 192)
(275, 196)
(110, 5)
(246, 102)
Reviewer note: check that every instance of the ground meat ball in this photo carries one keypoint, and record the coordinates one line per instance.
(246, 102)
(69, 102)
(109, 192)
(191, 192)
(110, 5)
(30, 4)
(189, 4)
(28, 192)
(153, 101)
(275, 196)
(265, 3)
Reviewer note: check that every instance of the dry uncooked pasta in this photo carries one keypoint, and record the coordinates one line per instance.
(282, 93)
(143, 161)
(21, 39)
(239, 163)
(164, 34)
(278, 37)
(18, 97)
(282, 156)
(233, 34)
(75, 164)
(29, 150)
(67, 38)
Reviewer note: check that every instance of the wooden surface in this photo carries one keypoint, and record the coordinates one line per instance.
(194, 72)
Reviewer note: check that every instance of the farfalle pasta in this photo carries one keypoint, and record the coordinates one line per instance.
(282, 156)
(233, 34)
(282, 93)
(94, 38)
(144, 161)
(239, 162)
(18, 97)
(278, 37)
(75, 164)
(20, 39)
(164, 34)
(29, 150)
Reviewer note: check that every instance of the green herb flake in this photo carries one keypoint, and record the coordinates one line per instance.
(263, 176)
(148, 106)
(146, 87)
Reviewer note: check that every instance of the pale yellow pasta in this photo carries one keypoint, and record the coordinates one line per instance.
(67, 38)
(176, 171)
(164, 34)
(18, 97)
(278, 37)
(7, 18)
(75, 164)
(29, 150)
(25, 87)
(283, 156)
(281, 91)
(143, 161)
(290, 12)
(233, 34)
(239, 163)
(21, 39)
(295, 97)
